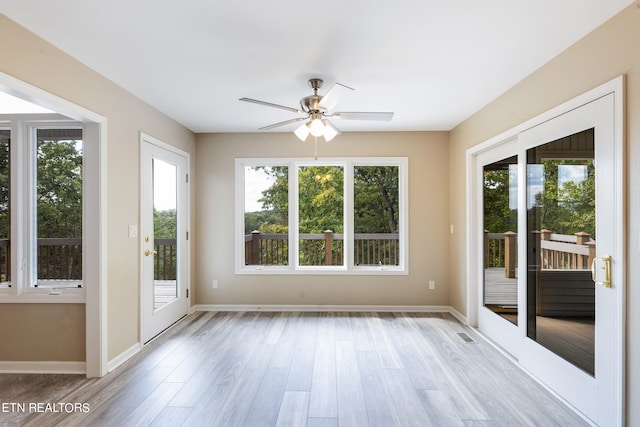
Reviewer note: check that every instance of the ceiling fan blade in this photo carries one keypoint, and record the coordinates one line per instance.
(336, 94)
(286, 122)
(353, 115)
(270, 104)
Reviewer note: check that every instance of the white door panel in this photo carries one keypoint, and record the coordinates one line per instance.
(573, 156)
(164, 233)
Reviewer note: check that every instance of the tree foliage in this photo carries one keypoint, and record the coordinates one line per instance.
(321, 200)
(59, 189)
(165, 224)
(564, 206)
(498, 215)
(4, 184)
(376, 199)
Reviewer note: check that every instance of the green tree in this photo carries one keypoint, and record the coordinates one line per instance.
(276, 197)
(498, 215)
(4, 184)
(59, 189)
(267, 222)
(320, 199)
(567, 207)
(165, 224)
(274, 217)
(376, 202)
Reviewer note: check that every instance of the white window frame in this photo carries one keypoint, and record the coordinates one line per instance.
(22, 212)
(348, 267)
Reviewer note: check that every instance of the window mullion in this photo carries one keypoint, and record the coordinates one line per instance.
(294, 241)
(31, 228)
(348, 215)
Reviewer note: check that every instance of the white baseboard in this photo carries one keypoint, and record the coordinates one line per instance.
(123, 357)
(44, 367)
(324, 308)
(461, 317)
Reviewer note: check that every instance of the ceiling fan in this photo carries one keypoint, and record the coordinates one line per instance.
(317, 109)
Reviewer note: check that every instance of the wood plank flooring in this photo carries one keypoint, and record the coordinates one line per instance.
(300, 369)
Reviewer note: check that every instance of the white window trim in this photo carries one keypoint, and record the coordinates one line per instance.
(21, 289)
(348, 268)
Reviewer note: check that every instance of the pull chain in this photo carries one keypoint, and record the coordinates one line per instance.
(315, 147)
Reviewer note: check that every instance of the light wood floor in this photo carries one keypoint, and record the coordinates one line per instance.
(301, 369)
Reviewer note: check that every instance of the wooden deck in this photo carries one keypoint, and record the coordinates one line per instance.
(297, 369)
(572, 338)
(164, 291)
(500, 290)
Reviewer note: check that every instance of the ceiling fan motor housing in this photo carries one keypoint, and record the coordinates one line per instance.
(311, 103)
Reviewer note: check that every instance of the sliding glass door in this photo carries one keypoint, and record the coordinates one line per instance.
(548, 254)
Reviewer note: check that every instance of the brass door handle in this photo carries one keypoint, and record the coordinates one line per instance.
(606, 261)
(149, 252)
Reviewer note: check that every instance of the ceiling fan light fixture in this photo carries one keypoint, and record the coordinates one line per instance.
(302, 132)
(316, 127)
(329, 133)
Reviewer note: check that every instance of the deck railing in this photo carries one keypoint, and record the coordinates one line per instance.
(5, 261)
(563, 252)
(557, 251)
(322, 249)
(61, 259)
(165, 260)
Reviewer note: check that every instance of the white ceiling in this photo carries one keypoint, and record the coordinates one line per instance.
(432, 62)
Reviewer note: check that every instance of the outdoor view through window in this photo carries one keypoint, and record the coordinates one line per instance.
(59, 207)
(5, 214)
(321, 215)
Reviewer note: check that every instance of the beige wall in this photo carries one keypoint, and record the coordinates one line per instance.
(610, 51)
(428, 222)
(46, 332)
(30, 59)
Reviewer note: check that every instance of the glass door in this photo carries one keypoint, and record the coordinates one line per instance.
(500, 213)
(497, 174)
(164, 213)
(573, 256)
(561, 246)
(548, 244)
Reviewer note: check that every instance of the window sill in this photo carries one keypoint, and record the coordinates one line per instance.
(322, 271)
(66, 296)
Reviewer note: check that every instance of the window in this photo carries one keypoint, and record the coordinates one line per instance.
(320, 215)
(333, 216)
(5, 214)
(41, 209)
(376, 215)
(266, 215)
(57, 213)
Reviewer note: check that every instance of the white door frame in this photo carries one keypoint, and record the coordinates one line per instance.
(615, 87)
(507, 334)
(95, 215)
(186, 258)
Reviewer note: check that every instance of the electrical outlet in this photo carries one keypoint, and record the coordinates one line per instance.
(133, 231)
(432, 284)
(214, 284)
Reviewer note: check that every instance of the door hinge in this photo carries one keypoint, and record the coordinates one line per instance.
(187, 235)
(187, 178)
(187, 293)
